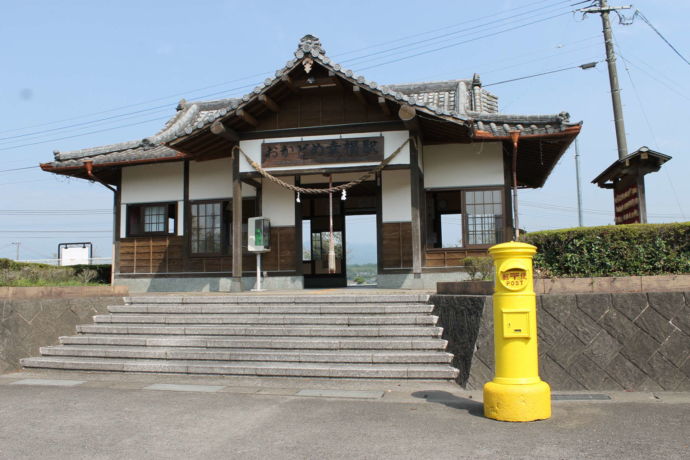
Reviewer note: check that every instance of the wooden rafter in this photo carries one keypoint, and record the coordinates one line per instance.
(408, 115)
(247, 117)
(384, 105)
(219, 129)
(359, 95)
(269, 103)
(334, 78)
(287, 81)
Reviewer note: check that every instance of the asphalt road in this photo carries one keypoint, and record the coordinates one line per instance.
(117, 418)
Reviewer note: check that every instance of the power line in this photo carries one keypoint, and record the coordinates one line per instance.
(644, 18)
(187, 93)
(398, 40)
(84, 134)
(464, 41)
(120, 116)
(462, 32)
(55, 231)
(582, 66)
(17, 169)
(53, 212)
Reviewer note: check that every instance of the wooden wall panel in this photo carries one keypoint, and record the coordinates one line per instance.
(325, 106)
(160, 254)
(283, 246)
(397, 245)
(450, 257)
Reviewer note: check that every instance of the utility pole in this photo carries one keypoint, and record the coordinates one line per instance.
(604, 9)
(17, 243)
(579, 191)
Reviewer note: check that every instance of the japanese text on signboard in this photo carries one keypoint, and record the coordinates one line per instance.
(351, 150)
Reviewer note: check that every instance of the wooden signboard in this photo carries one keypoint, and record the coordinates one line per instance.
(626, 200)
(300, 153)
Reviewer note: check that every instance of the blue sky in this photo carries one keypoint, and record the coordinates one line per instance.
(118, 68)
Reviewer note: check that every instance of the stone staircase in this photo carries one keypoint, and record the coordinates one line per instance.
(347, 336)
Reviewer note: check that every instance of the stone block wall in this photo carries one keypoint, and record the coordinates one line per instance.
(28, 324)
(618, 341)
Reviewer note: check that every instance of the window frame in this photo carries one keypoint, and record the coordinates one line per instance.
(141, 211)
(225, 227)
(465, 222)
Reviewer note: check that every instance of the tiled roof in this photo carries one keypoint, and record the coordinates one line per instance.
(456, 101)
(501, 125)
(451, 95)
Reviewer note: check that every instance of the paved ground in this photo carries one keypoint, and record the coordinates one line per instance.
(96, 416)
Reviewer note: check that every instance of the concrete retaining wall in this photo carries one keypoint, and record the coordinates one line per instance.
(620, 341)
(26, 324)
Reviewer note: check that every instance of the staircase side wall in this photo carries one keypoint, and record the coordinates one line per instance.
(28, 324)
(617, 341)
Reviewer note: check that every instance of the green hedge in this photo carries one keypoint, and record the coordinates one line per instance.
(616, 250)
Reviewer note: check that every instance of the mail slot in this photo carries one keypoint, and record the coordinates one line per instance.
(516, 324)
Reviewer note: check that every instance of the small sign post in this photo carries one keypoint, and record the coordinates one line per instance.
(258, 241)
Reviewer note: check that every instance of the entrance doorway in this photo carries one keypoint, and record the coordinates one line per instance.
(316, 236)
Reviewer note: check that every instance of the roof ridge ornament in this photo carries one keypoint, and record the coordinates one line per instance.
(309, 44)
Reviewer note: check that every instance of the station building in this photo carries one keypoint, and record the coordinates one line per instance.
(433, 162)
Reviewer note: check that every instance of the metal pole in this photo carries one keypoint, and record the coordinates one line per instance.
(613, 80)
(17, 244)
(514, 136)
(258, 272)
(577, 179)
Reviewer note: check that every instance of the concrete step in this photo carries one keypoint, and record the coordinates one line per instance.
(279, 299)
(267, 319)
(403, 371)
(262, 355)
(289, 343)
(271, 308)
(264, 331)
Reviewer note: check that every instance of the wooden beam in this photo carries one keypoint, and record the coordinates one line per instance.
(249, 181)
(269, 103)
(287, 81)
(408, 115)
(384, 105)
(219, 129)
(359, 94)
(247, 117)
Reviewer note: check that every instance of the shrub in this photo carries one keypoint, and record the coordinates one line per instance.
(479, 267)
(620, 250)
(31, 274)
(102, 272)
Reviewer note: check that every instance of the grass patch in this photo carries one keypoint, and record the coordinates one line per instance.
(25, 274)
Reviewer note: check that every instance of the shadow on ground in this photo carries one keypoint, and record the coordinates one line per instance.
(450, 400)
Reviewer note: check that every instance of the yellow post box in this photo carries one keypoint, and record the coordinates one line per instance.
(516, 393)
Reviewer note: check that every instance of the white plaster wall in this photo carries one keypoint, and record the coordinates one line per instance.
(180, 218)
(153, 183)
(463, 165)
(391, 141)
(123, 221)
(396, 196)
(209, 180)
(278, 203)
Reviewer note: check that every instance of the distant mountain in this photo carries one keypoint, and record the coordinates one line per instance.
(361, 253)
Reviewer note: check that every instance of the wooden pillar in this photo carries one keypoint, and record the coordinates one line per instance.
(117, 219)
(416, 207)
(236, 284)
(186, 212)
